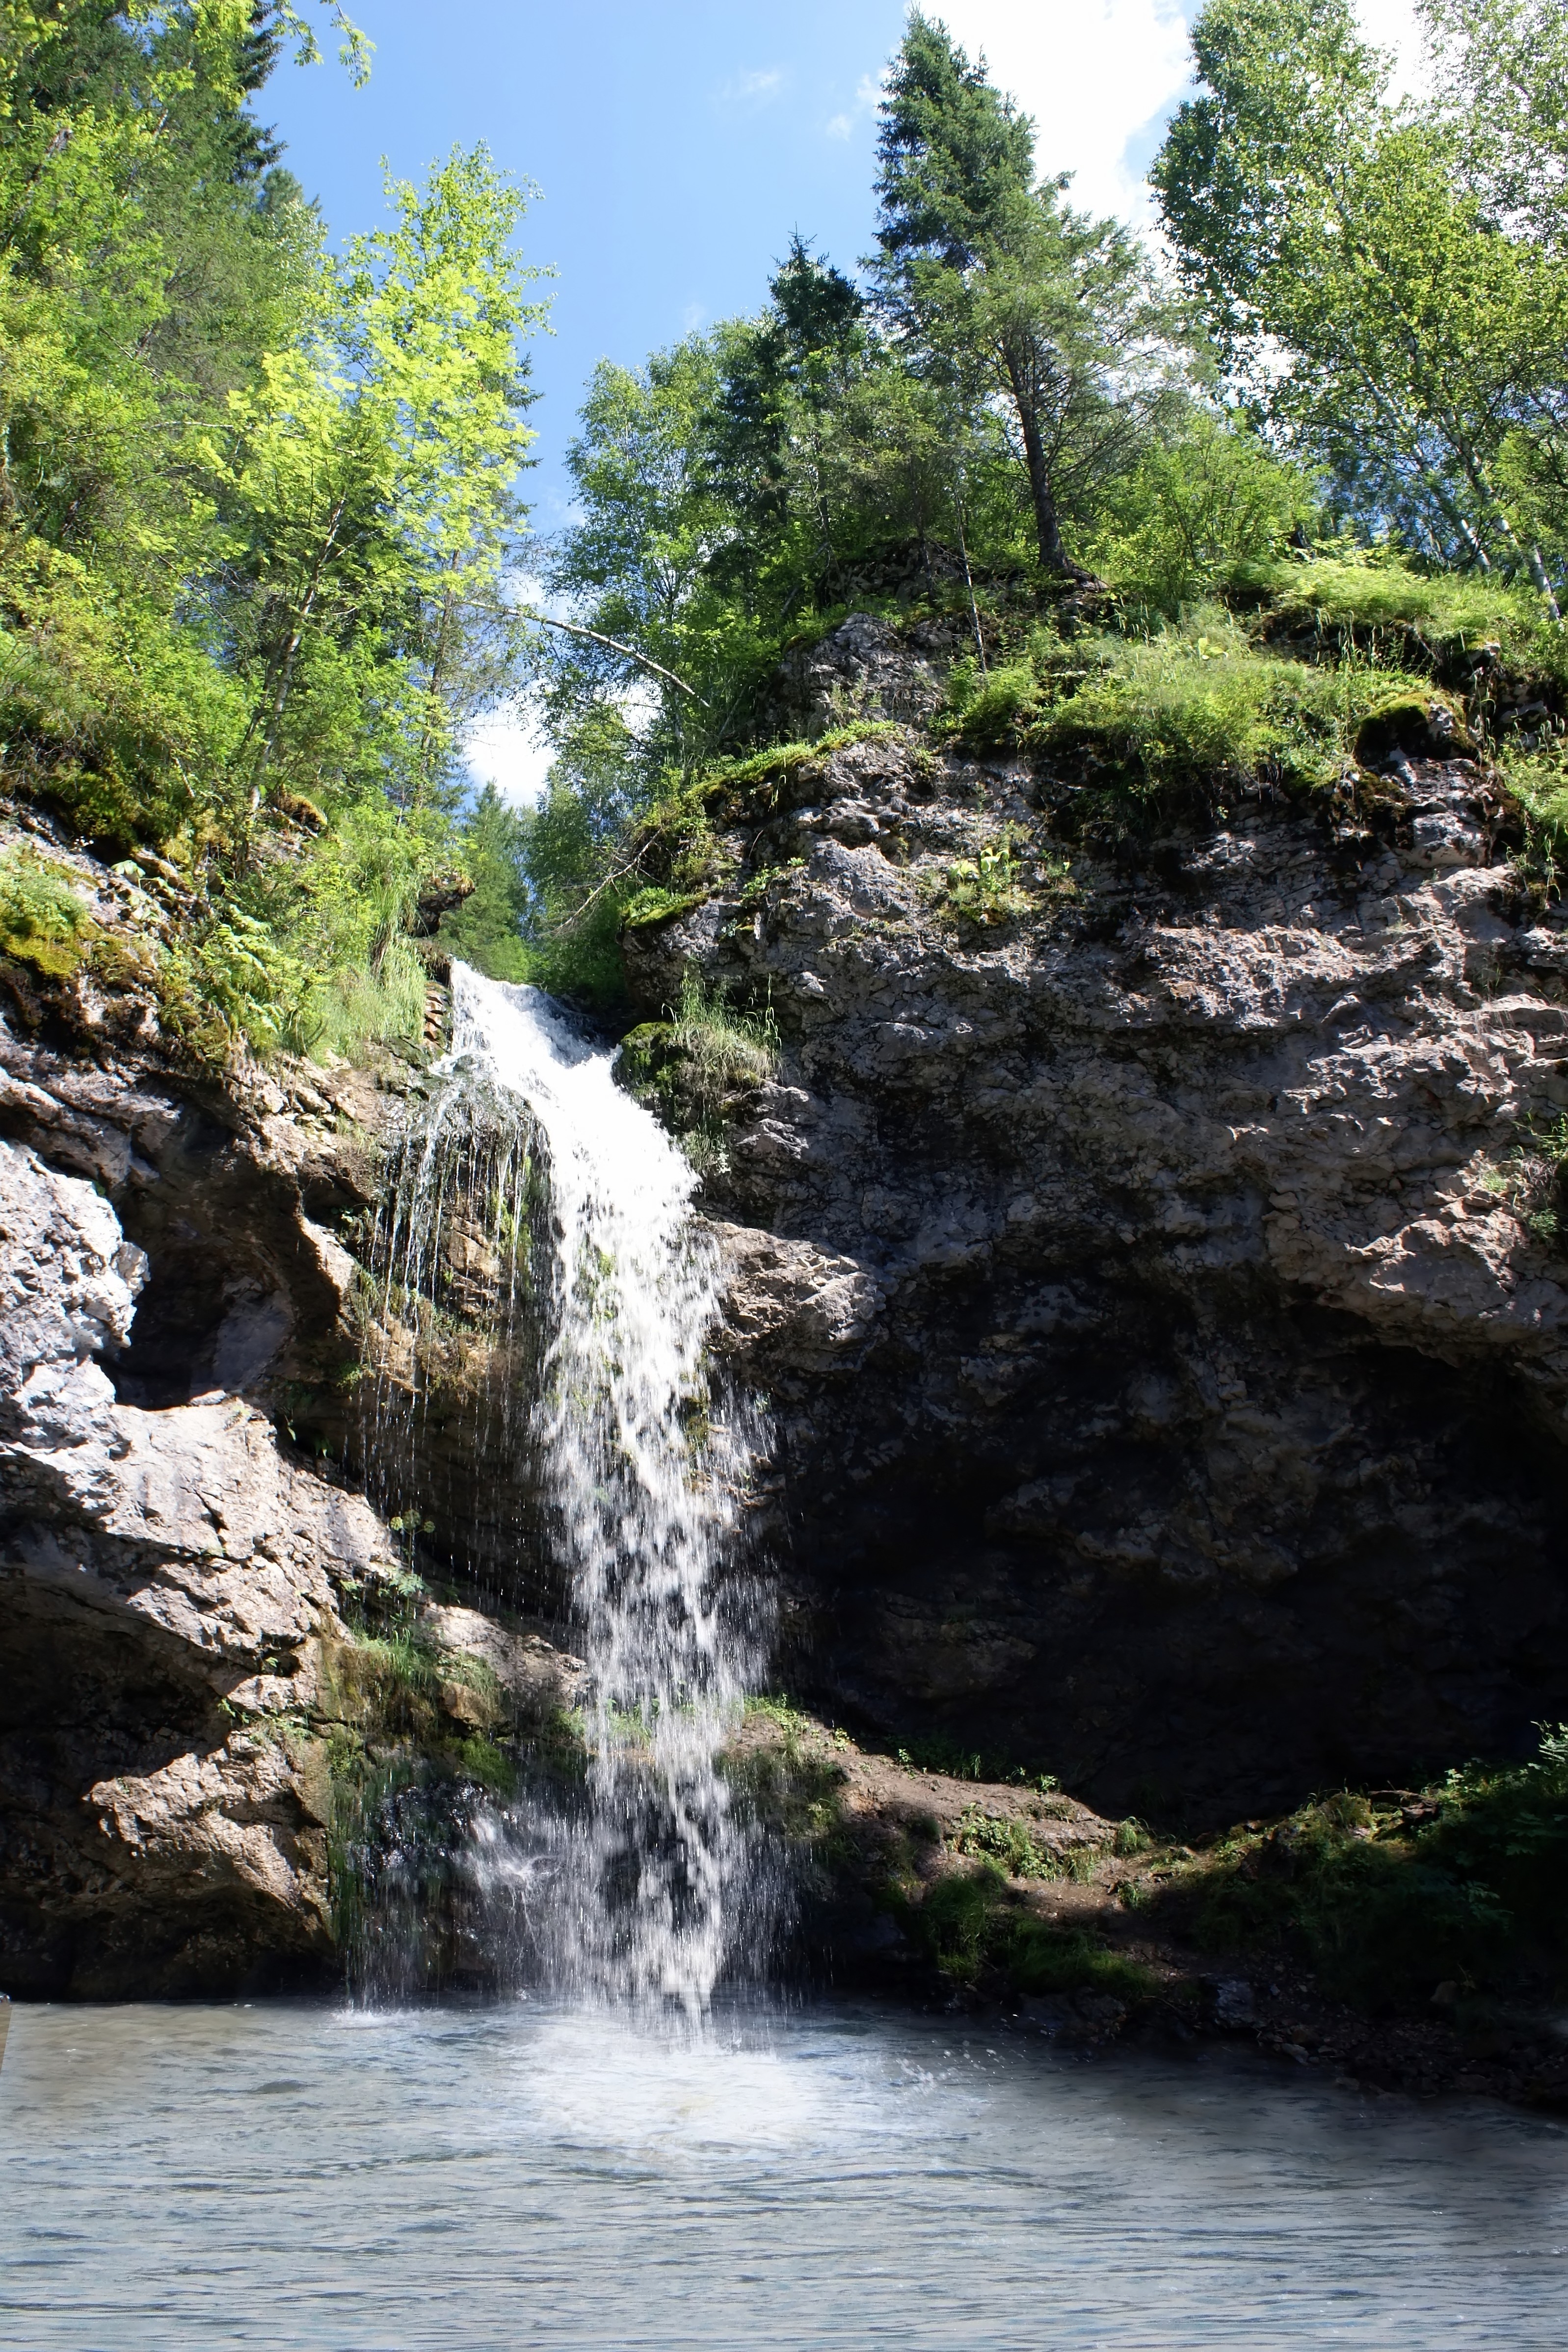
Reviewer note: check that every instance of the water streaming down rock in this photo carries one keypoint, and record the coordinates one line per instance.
(582, 1341)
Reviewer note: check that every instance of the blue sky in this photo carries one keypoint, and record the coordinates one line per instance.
(678, 144)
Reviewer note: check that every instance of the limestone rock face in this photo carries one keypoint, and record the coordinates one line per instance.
(1155, 1273)
(166, 1581)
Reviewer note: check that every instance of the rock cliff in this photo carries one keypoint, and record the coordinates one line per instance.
(169, 1576)
(1150, 1248)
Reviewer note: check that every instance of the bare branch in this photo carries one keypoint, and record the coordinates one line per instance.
(574, 629)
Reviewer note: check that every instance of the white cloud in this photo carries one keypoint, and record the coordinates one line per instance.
(867, 96)
(1093, 73)
(758, 88)
(1099, 77)
(502, 749)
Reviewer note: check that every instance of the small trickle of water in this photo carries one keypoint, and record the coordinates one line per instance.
(642, 1475)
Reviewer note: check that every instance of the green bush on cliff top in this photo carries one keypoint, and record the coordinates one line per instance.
(1192, 710)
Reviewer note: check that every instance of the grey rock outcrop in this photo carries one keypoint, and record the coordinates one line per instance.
(167, 1581)
(1192, 1420)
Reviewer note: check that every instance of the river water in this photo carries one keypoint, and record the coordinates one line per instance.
(307, 2176)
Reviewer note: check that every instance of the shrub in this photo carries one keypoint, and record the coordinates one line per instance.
(1385, 1905)
(1195, 511)
(985, 888)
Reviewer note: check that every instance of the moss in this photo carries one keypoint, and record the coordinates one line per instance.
(43, 921)
(1421, 723)
(654, 905)
(780, 760)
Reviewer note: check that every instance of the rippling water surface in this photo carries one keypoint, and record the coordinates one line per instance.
(295, 2175)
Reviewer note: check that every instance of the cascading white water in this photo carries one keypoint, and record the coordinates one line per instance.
(643, 1482)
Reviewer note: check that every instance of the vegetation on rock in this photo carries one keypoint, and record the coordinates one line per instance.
(1186, 532)
(256, 505)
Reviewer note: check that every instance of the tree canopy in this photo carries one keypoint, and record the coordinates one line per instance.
(261, 530)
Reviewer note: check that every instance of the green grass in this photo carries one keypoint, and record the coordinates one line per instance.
(1376, 595)
(1182, 719)
(1538, 785)
(956, 1760)
(695, 1068)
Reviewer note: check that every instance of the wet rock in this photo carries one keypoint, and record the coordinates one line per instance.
(1233, 2002)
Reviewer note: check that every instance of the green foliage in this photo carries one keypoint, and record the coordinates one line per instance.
(722, 1046)
(697, 1066)
(1182, 717)
(1375, 598)
(780, 760)
(1538, 784)
(487, 929)
(1004, 1838)
(1468, 1888)
(1379, 312)
(1005, 295)
(1201, 508)
(255, 508)
(986, 888)
(972, 1924)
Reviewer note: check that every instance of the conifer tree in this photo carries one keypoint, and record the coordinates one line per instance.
(989, 278)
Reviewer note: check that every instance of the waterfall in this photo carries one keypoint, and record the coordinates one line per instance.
(592, 1297)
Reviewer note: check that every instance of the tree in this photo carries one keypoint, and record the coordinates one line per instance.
(996, 285)
(366, 478)
(487, 929)
(639, 564)
(1325, 230)
(1504, 85)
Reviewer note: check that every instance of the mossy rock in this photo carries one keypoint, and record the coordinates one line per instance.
(43, 921)
(651, 907)
(643, 1053)
(103, 807)
(1430, 725)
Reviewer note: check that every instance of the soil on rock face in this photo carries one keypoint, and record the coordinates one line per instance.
(1150, 1254)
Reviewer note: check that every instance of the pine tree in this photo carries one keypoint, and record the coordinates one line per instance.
(994, 283)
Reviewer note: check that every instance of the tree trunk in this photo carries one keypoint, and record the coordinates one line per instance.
(1048, 531)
